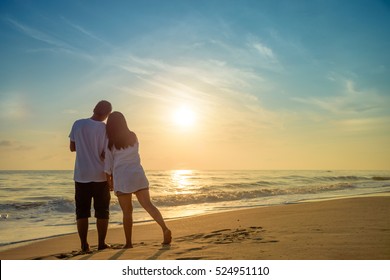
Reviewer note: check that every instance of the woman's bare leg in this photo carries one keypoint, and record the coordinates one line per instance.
(144, 199)
(125, 201)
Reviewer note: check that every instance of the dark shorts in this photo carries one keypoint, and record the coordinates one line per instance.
(99, 192)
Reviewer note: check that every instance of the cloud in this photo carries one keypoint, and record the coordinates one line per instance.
(349, 101)
(136, 70)
(353, 110)
(195, 80)
(55, 45)
(15, 145)
(38, 35)
(264, 51)
(209, 86)
(222, 93)
(5, 143)
(216, 73)
(84, 31)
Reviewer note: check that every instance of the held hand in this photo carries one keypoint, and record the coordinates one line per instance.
(111, 184)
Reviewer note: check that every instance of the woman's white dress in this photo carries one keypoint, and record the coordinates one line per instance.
(125, 166)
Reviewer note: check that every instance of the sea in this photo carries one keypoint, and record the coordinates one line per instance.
(40, 204)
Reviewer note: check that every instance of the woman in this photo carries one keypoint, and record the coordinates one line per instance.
(127, 177)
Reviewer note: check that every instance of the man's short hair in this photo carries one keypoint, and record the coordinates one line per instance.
(102, 108)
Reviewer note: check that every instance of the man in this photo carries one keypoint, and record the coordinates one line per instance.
(88, 139)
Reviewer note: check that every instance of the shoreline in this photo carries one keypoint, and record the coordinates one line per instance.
(22, 243)
(324, 229)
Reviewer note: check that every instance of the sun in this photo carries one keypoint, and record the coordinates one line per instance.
(184, 117)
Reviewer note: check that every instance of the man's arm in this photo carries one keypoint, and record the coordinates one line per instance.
(72, 146)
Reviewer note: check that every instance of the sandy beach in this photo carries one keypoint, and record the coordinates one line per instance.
(342, 229)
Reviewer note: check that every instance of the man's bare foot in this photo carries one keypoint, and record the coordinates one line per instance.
(85, 248)
(127, 246)
(104, 246)
(167, 237)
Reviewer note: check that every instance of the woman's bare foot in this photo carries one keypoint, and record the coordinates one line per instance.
(167, 237)
(127, 246)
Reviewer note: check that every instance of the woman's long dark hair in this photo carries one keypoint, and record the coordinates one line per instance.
(118, 134)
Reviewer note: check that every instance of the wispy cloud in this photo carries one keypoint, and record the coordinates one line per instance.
(264, 50)
(55, 44)
(85, 32)
(209, 85)
(38, 35)
(349, 101)
(257, 47)
(136, 70)
(5, 143)
(351, 111)
(15, 145)
(193, 76)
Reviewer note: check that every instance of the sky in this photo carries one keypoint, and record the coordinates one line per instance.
(215, 84)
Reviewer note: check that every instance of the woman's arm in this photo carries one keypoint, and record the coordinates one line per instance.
(110, 181)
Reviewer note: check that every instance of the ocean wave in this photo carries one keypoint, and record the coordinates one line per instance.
(58, 205)
(234, 186)
(340, 178)
(379, 178)
(220, 196)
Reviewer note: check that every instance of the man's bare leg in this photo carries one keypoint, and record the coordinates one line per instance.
(102, 226)
(82, 228)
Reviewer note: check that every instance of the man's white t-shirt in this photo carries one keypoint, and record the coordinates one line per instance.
(90, 138)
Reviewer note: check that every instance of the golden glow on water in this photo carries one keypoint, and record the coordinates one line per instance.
(181, 182)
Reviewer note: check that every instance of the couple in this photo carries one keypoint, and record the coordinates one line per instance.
(107, 159)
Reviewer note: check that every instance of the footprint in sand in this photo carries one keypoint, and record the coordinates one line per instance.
(226, 236)
(254, 234)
